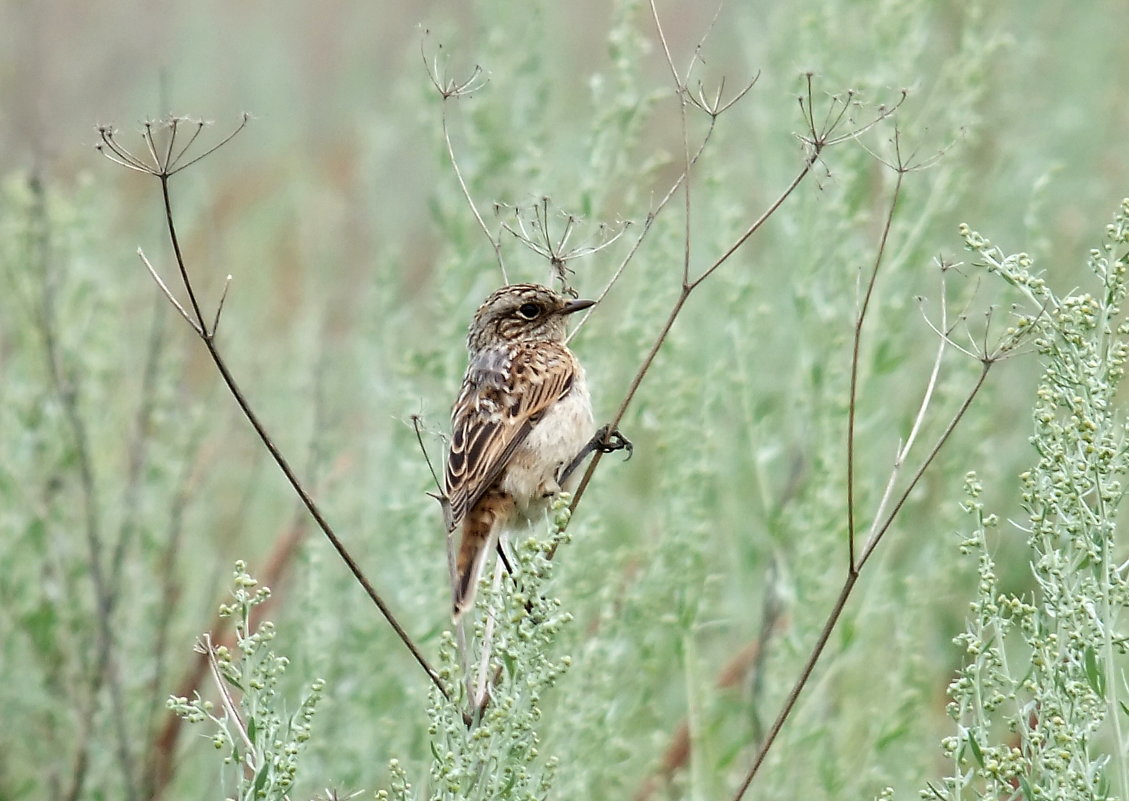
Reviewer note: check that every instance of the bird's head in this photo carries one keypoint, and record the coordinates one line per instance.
(522, 312)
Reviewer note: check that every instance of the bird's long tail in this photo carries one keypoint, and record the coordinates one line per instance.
(481, 527)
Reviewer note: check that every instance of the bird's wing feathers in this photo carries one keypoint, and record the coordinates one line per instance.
(506, 391)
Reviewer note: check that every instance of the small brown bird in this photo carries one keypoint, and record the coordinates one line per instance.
(522, 416)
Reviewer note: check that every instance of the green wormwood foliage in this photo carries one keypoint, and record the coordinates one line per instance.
(1040, 702)
(262, 743)
(499, 756)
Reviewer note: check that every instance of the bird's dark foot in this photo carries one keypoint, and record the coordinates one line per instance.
(603, 442)
(609, 441)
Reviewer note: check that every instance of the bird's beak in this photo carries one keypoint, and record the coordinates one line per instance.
(577, 305)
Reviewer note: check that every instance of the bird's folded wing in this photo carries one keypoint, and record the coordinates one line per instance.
(504, 394)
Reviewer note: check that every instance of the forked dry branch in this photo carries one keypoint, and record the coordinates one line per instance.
(825, 125)
(165, 159)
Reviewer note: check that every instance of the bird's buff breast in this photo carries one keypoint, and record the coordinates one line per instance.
(556, 439)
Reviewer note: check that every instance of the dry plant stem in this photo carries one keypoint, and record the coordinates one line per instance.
(461, 640)
(882, 524)
(820, 139)
(274, 571)
(822, 135)
(226, 700)
(650, 221)
(426, 457)
(856, 348)
(461, 623)
(208, 338)
(231, 712)
(713, 109)
(163, 167)
(452, 89)
(495, 241)
(686, 186)
(684, 293)
(849, 585)
(197, 316)
(809, 162)
(919, 420)
(680, 87)
(537, 236)
(881, 530)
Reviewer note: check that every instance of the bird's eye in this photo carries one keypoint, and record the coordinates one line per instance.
(529, 310)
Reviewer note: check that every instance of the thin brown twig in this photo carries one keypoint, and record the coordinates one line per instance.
(449, 540)
(852, 569)
(175, 166)
(856, 350)
(904, 448)
(752, 229)
(536, 236)
(881, 531)
(452, 89)
(165, 291)
(817, 140)
(647, 223)
(478, 693)
(313, 508)
(685, 98)
(495, 241)
(848, 586)
(163, 170)
(632, 388)
(696, 54)
(713, 109)
(231, 711)
(901, 165)
(275, 567)
(676, 309)
(883, 520)
(687, 206)
(415, 418)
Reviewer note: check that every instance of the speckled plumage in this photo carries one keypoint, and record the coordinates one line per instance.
(523, 413)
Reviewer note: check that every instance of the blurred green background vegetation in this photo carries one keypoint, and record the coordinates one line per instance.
(355, 266)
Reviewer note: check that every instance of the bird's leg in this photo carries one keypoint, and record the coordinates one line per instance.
(604, 441)
(505, 559)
